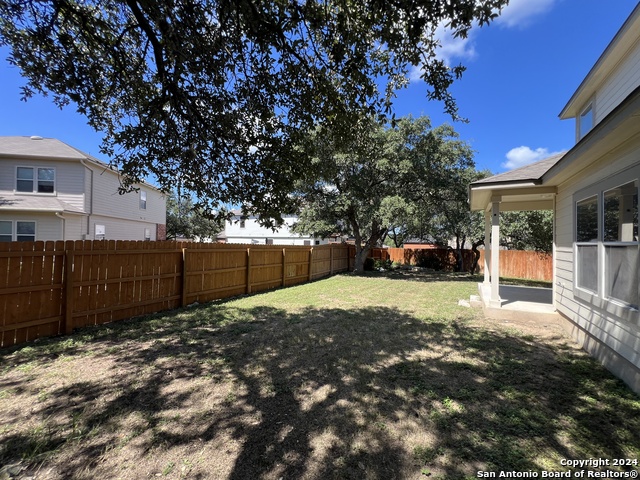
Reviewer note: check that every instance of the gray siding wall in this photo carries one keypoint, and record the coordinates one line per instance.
(69, 178)
(624, 80)
(614, 339)
(108, 203)
(119, 229)
(48, 226)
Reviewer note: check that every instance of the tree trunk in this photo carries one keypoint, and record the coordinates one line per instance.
(476, 255)
(361, 255)
(459, 257)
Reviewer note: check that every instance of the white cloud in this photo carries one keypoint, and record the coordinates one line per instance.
(521, 156)
(451, 47)
(451, 50)
(519, 13)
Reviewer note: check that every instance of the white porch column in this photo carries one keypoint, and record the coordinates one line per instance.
(487, 247)
(494, 300)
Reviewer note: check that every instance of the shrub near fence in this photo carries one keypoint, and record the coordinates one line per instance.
(51, 288)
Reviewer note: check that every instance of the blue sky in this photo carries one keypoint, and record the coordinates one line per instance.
(521, 71)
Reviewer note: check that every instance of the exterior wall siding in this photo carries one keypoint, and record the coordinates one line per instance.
(624, 80)
(75, 227)
(253, 233)
(120, 229)
(614, 341)
(89, 190)
(48, 226)
(69, 178)
(108, 202)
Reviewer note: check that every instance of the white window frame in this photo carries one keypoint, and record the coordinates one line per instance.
(35, 180)
(599, 298)
(14, 229)
(143, 200)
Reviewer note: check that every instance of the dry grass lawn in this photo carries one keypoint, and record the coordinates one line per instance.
(378, 377)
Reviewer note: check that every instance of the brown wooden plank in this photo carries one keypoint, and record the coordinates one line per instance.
(21, 309)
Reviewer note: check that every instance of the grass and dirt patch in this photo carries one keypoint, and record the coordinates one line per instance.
(375, 377)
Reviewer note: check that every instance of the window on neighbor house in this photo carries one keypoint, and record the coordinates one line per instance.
(586, 120)
(242, 223)
(6, 231)
(147, 234)
(607, 245)
(25, 231)
(19, 231)
(268, 241)
(143, 200)
(35, 180)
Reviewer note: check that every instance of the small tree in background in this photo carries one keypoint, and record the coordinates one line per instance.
(451, 219)
(529, 230)
(184, 220)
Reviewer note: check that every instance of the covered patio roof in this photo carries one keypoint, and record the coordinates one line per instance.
(533, 187)
(519, 189)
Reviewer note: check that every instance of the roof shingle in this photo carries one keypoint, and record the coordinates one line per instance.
(532, 172)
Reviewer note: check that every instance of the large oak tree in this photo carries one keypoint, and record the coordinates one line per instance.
(368, 186)
(215, 93)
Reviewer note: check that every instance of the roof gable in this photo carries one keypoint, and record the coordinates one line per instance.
(39, 147)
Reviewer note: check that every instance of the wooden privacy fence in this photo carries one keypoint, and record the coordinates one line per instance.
(513, 263)
(445, 257)
(523, 264)
(50, 288)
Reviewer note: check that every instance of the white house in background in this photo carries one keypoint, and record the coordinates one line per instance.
(52, 191)
(246, 229)
(593, 191)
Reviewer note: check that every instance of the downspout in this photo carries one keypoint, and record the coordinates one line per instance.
(64, 225)
(90, 198)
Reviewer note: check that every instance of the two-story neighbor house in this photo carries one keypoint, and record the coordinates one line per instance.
(593, 191)
(52, 191)
(247, 229)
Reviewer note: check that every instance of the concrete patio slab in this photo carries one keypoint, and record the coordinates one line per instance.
(525, 303)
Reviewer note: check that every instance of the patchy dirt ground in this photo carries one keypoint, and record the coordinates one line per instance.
(347, 378)
(546, 330)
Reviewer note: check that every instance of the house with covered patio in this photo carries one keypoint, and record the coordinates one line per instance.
(592, 190)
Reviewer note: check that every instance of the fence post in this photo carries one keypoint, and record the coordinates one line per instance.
(248, 270)
(68, 286)
(310, 262)
(331, 260)
(183, 300)
(284, 274)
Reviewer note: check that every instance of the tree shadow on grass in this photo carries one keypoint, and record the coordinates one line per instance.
(320, 393)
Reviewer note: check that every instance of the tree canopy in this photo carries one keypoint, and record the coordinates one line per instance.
(451, 219)
(185, 220)
(528, 230)
(367, 187)
(215, 94)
